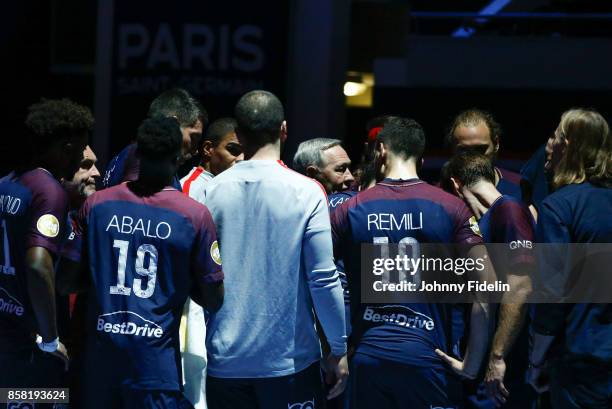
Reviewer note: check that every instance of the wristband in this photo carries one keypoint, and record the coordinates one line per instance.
(47, 346)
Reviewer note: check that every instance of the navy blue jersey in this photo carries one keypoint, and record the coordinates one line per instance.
(336, 199)
(125, 167)
(534, 174)
(144, 252)
(33, 208)
(397, 211)
(577, 213)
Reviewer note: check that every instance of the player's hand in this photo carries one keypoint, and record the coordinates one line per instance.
(537, 377)
(336, 373)
(456, 365)
(62, 353)
(494, 381)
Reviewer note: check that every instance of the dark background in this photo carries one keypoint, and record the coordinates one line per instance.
(49, 50)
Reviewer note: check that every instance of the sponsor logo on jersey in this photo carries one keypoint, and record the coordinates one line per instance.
(398, 315)
(517, 244)
(474, 226)
(9, 304)
(215, 253)
(48, 225)
(309, 404)
(128, 323)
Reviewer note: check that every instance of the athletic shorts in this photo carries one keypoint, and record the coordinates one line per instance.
(302, 390)
(382, 384)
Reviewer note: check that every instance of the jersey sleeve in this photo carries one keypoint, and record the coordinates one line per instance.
(206, 254)
(322, 277)
(512, 223)
(466, 227)
(552, 277)
(48, 217)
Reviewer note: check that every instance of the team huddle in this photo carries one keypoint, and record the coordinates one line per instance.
(238, 284)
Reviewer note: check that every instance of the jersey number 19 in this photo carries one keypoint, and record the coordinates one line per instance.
(150, 272)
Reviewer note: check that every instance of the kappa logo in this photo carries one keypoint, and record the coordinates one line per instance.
(9, 304)
(399, 315)
(128, 323)
(309, 404)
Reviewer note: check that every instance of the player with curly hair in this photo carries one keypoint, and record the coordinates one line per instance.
(33, 208)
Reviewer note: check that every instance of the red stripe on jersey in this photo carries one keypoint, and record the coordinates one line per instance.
(280, 162)
(191, 178)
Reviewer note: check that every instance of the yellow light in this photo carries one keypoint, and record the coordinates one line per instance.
(352, 89)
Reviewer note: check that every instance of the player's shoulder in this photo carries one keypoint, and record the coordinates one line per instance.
(337, 198)
(40, 181)
(297, 179)
(510, 176)
(435, 194)
(509, 208)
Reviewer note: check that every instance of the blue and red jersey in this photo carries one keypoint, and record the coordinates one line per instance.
(145, 252)
(392, 211)
(33, 209)
(509, 220)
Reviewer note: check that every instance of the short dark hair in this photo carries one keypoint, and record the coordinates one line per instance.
(52, 120)
(404, 137)
(474, 117)
(260, 115)
(178, 103)
(380, 121)
(470, 168)
(159, 138)
(218, 129)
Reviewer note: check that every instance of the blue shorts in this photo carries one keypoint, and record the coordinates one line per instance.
(302, 390)
(383, 384)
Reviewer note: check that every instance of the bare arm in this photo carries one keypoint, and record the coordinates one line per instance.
(480, 318)
(41, 290)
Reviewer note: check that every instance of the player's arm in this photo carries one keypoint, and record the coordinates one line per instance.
(41, 289)
(326, 292)
(468, 235)
(515, 226)
(480, 317)
(206, 269)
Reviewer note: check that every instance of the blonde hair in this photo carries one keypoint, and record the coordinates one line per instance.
(588, 155)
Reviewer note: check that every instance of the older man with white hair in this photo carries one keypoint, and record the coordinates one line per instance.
(326, 161)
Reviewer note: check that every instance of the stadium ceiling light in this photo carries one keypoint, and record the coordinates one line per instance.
(352, 89)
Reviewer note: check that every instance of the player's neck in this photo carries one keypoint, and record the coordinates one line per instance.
(271, 151)
(396, 168)
(486, 193)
